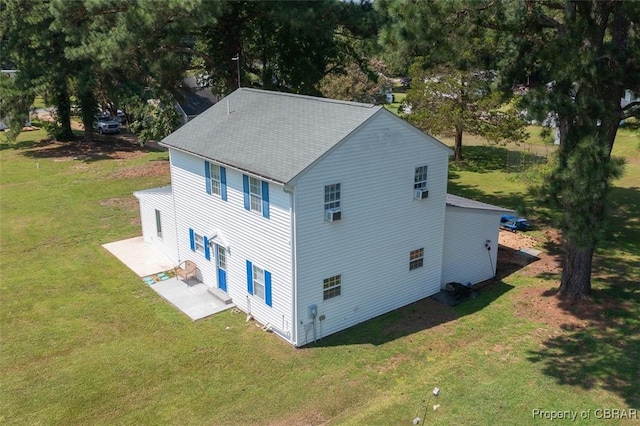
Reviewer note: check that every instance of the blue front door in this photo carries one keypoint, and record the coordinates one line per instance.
(221, 264)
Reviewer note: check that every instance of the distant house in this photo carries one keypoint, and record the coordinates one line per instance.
(314, 215)
(194, 99)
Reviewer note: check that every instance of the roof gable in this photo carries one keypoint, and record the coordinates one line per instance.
(270, 134)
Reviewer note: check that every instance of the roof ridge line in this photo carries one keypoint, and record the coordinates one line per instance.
(309, 97)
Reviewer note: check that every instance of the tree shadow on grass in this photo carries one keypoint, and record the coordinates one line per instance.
(25, 144)
(605, 352)
(414, 318)
(101, 148)
(492, 158)
(481, 159)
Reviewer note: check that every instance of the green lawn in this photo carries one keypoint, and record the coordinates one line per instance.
(86, 342)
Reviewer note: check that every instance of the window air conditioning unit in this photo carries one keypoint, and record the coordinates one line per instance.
(332, 214)
(421, 193)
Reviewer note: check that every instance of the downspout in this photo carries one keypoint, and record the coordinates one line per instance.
(294, 269)
(175, 213)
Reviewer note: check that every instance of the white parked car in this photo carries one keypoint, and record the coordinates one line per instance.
(104, 124)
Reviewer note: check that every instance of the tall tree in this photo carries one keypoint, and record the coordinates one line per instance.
(578, 57)
(585, 54)
(445, 101)
(452, 70)
(282, 45)
(37, 49)
(353, 83)
(14, 106)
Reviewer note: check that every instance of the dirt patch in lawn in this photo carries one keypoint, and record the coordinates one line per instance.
(123, 145)
(541, 304)
(115, 147)
(511, 256)
(157, 168)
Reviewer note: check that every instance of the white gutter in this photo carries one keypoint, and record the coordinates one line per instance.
(294, 269)
(246, 172)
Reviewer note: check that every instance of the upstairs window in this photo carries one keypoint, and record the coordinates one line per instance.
(332, 202)
(332, 196)
(256, 195)
(420, 180)
(216, 179)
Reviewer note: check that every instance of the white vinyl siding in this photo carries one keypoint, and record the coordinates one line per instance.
(159, 200)
(370, 246)
(243, 233)
(466, 258)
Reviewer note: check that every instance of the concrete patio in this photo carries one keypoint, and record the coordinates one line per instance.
(194, 300)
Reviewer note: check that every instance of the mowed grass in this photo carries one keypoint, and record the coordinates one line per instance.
(85, 341)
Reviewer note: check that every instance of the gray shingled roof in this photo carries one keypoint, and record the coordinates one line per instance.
(271, 134)
(466, 203)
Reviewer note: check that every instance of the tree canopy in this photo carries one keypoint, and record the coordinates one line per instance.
(577, 58)
(109, 54)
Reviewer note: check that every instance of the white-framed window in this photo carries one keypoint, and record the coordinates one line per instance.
(255, 194)
(420, 179)
(258, 282)
(332, 196)
(416, 258)
(331, 287)
(198, 241)
(214, 176)
(158, 224)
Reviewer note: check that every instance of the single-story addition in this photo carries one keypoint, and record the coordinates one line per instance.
(314, 215)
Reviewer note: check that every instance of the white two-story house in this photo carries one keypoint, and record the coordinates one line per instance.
(314, 215)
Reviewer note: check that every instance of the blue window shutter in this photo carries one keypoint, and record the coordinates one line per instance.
(207, 249)
(249, 277)
(207, 176)
(245, 188)
(267, 288)
(265, 199)
(192, 239)
(223, 183)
